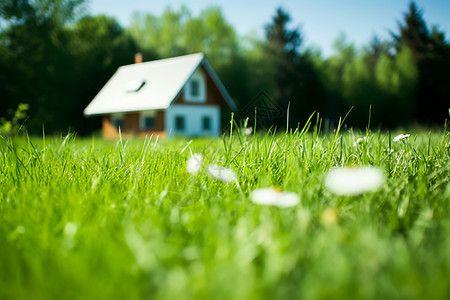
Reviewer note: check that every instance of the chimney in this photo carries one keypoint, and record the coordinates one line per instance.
(138, 58)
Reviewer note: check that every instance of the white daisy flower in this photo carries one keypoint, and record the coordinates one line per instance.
(70, 229)
(221, 173)
(273, 197)
(359, 141)
(400, 137)
(68, 242)
(354, 180)
(194, 164)
(247, 131)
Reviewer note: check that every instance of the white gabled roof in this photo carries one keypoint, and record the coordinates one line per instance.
(158, 83)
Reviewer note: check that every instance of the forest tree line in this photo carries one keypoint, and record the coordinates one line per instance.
(55, 57)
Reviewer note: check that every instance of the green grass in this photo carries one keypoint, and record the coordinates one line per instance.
(92, 219)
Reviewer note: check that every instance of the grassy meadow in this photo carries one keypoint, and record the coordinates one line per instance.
(93, 219)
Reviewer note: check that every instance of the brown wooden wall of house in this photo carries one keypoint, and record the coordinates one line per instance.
(131, 126)
(108, 129)
(213, 95)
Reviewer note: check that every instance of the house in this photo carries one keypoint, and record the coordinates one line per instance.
(180, 96)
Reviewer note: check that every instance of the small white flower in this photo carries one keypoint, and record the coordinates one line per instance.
(194, 164)
(273, 197)
(354, 180)
(70, 229)
(20, 229)
(68, 242)
(359, 141)
(400, 137)
(247, 131)
(221, 173)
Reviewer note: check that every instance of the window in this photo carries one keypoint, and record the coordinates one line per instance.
(179, 123)
(117, 120)
(147, 120)
(195, 90)
(135, 85)
(195, 87)
(206, 123)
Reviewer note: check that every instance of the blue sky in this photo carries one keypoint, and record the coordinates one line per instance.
(320, 21)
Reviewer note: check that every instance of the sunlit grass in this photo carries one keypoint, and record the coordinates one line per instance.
(93, 219)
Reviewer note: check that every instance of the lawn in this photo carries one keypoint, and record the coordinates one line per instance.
(92, 219)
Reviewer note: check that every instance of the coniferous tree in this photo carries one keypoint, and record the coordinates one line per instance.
(283, 52)
(296, 81)
(431, 55)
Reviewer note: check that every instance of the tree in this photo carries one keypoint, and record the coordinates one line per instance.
(56, 61)
(35, 59)
(282, 51)
(98, 46)
(179, 32)
(397, 78)
(373, 52)
(336, 73)
(213, 35)
(431, 55)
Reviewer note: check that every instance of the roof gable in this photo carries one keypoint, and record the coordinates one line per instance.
(151, 85)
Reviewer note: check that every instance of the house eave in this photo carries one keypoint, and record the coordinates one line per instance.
(108, 112)
(223, 91)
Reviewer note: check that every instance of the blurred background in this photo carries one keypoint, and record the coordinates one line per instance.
(326, 56)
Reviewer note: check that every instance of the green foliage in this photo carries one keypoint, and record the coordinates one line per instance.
(162, 34)
(212, 34)
(11, 127)
(282, 51)
(296, 79)
(56, 62)
(35, 59)
(431, 55)
(98, 46)
(178, 32)
(397, 78)
(373, 78)
(58, 11)
(90, 219)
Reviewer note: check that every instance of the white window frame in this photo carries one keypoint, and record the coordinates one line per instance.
(143, 115)
(201, 97)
